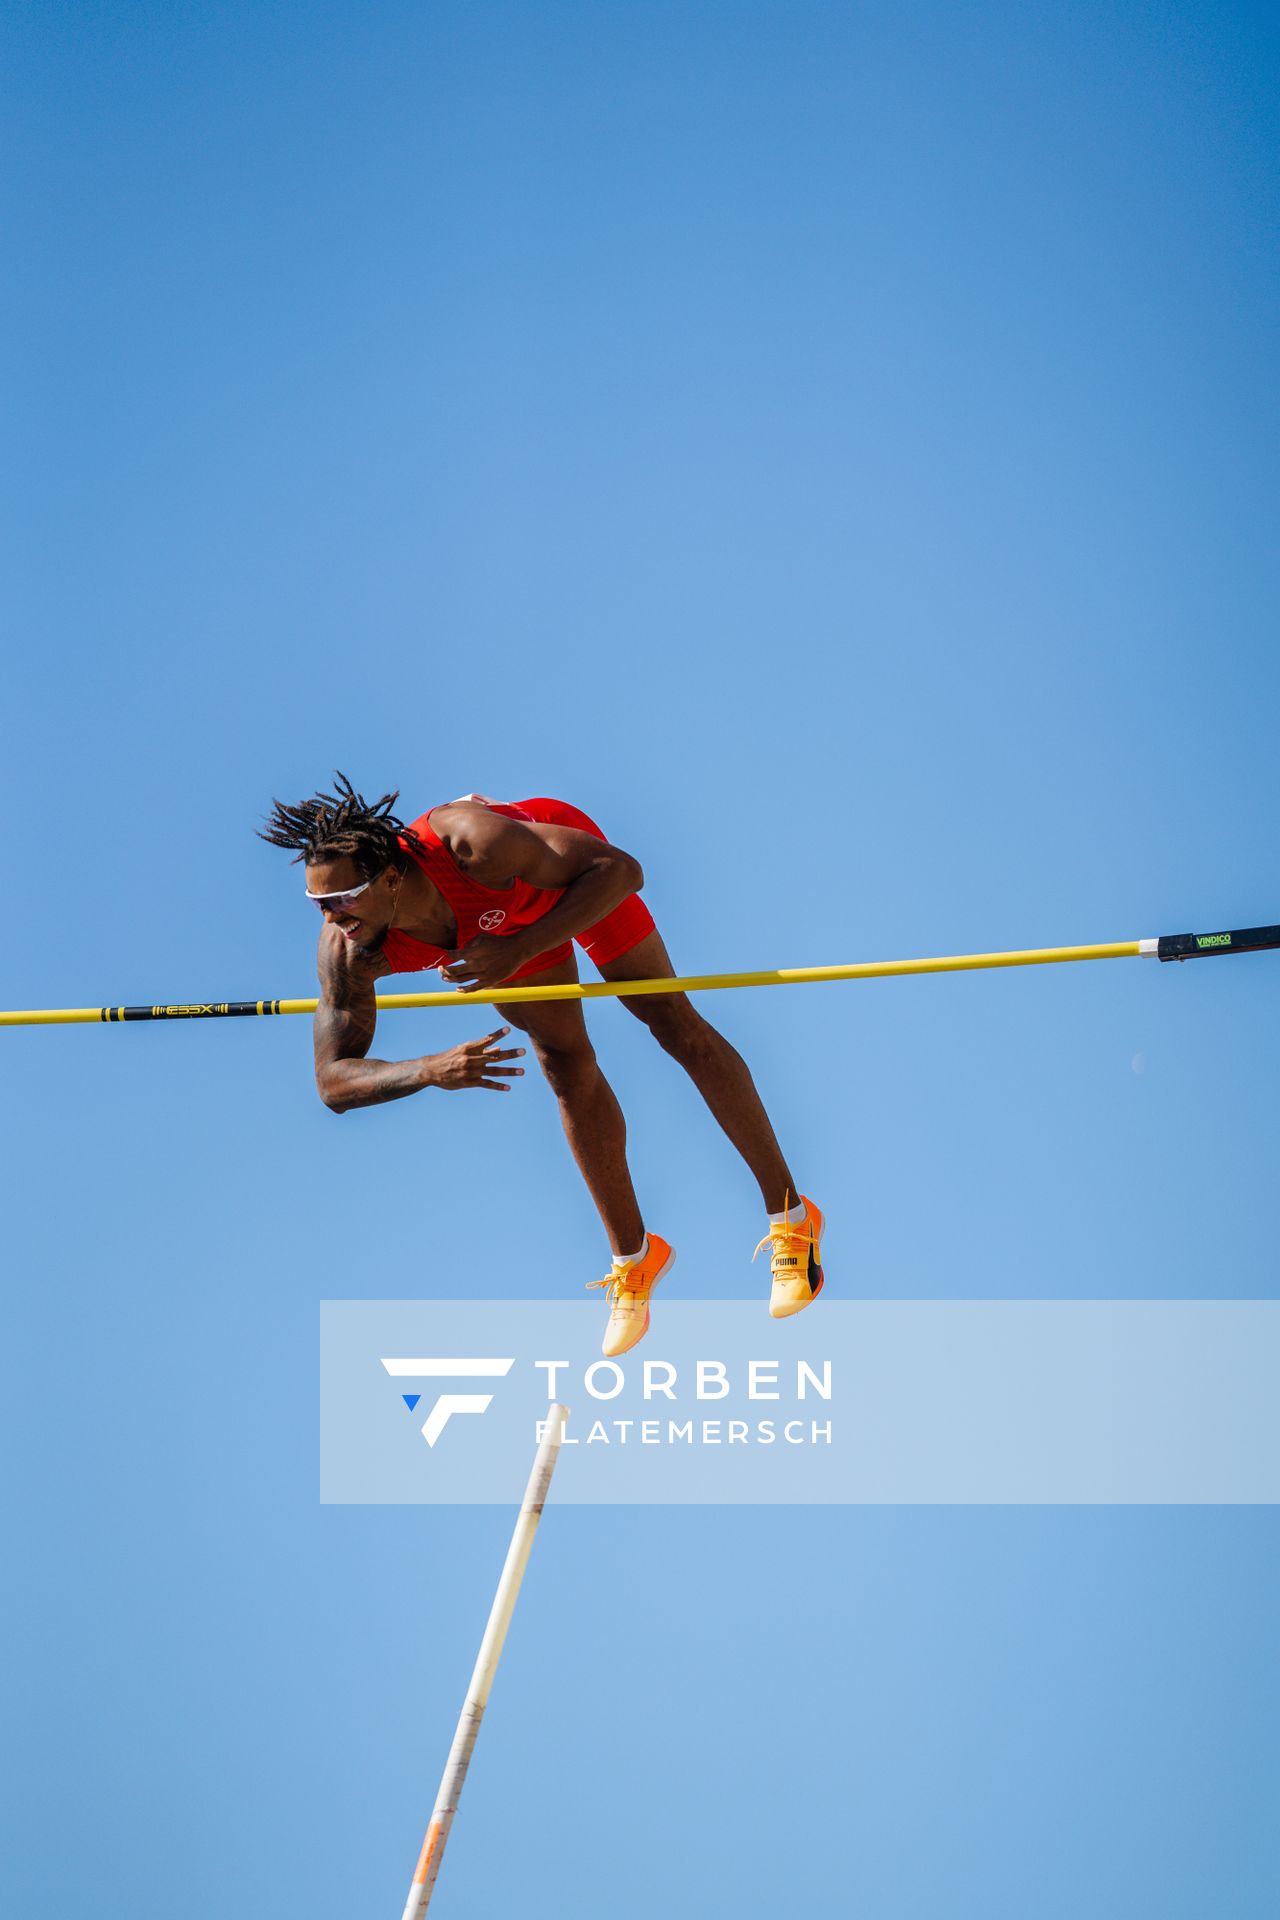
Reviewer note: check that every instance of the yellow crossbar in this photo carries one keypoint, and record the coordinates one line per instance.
(604, 989)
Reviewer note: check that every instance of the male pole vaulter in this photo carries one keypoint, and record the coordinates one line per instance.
(492, 894)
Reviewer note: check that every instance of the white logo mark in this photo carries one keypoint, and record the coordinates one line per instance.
(447, 1404)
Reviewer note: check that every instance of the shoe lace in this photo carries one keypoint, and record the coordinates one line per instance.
(789, 1240)
(615, 1280)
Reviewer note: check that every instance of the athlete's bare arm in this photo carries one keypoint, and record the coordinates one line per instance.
(494, 849)
(346, 1017)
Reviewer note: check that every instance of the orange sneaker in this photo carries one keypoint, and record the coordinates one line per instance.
(629, 1285)
(796, 1263)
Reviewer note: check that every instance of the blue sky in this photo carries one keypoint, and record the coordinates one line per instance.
(836, 447)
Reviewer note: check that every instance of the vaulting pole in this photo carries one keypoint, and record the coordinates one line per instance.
(464, 1740)
(1169, 946)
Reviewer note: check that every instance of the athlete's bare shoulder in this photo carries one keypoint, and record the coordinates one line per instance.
(347, 972)
(496, 849)
(469, 830)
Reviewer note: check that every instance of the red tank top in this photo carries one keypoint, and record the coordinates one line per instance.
(477, 909)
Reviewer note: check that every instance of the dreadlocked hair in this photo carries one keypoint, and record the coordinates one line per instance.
(333, 826)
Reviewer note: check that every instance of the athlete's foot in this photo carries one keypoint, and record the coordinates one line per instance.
(629, 1284)
(796, 1261)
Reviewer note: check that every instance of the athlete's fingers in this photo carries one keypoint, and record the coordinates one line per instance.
(474, 976)
(489, 1040)
(509, 1053)
(495, 1086)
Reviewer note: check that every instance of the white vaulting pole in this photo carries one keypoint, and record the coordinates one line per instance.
(504, 1604)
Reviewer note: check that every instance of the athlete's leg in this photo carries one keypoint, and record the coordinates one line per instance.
(718, 1071)
(589, 1110)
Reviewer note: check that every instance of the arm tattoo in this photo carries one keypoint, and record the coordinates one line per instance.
(345, 1020)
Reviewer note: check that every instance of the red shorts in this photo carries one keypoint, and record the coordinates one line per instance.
(609, 938)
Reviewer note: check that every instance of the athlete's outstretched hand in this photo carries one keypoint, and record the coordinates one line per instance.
(475, 1064)
(486, 962)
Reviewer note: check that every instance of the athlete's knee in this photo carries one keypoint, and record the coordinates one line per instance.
(676, 1025)
(567, 1066)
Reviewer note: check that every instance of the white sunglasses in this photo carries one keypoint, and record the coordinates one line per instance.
(338, 902)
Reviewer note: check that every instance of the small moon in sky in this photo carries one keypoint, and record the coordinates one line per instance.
(1139, 1063)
